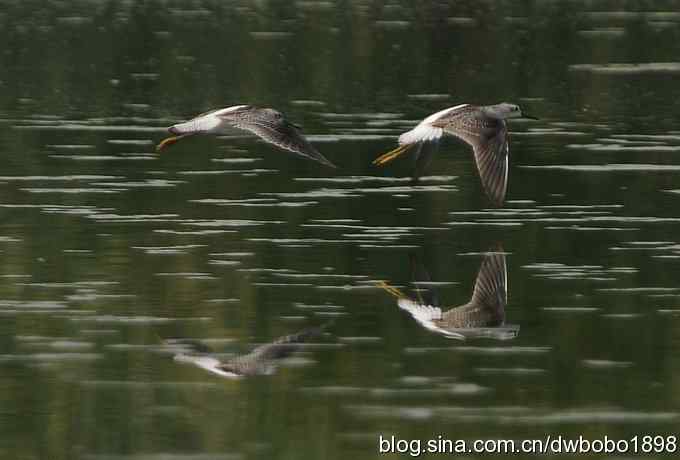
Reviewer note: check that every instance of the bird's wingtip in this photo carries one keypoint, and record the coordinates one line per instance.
(496, 201)
(331, 165)
(496, 248)
(317, 157)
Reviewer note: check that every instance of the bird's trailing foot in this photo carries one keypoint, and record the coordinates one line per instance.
(391, 155)
(390, 289)
(169, 141)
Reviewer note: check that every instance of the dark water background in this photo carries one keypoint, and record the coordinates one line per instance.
(107, 249)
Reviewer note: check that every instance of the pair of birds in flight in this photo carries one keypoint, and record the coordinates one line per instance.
(482, 127)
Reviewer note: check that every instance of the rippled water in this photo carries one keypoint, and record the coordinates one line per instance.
(120, 264)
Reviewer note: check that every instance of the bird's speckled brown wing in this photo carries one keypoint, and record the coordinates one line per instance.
(488, 138)
(262, 359)
(491, 156)
(272, 127)
(486, 308)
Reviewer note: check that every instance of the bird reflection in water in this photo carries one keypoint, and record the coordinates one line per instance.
(263, 360)
(482, 316)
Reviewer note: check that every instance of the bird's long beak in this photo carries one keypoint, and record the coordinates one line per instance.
(169, 141)
(524, 115)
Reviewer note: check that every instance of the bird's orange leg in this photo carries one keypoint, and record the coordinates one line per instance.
(390, 289)
(169, 141)
(391, 155)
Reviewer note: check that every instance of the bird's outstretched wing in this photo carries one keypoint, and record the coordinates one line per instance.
(488, 138)
(491, 156)
(284, 346)
(263, 359)
(486, 308)
(491, 288)
(272, 127)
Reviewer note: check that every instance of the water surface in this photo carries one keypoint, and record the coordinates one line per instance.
(109, 251)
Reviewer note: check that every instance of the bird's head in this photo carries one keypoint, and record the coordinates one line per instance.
(506, 110)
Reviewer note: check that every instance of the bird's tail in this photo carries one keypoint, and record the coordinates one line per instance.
(392, 154)
(192, 126)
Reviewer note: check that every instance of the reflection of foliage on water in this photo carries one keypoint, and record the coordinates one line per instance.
(97, 58)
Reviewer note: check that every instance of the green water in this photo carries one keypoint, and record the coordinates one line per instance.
(108, 250)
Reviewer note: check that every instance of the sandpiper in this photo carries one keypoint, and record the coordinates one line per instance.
(482, 127)
(268, 124)
(262, 360)
(482, 316)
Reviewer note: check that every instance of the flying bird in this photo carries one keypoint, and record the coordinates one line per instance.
(263, 360)
(482, 316)
(482, 127)
(269, 124)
